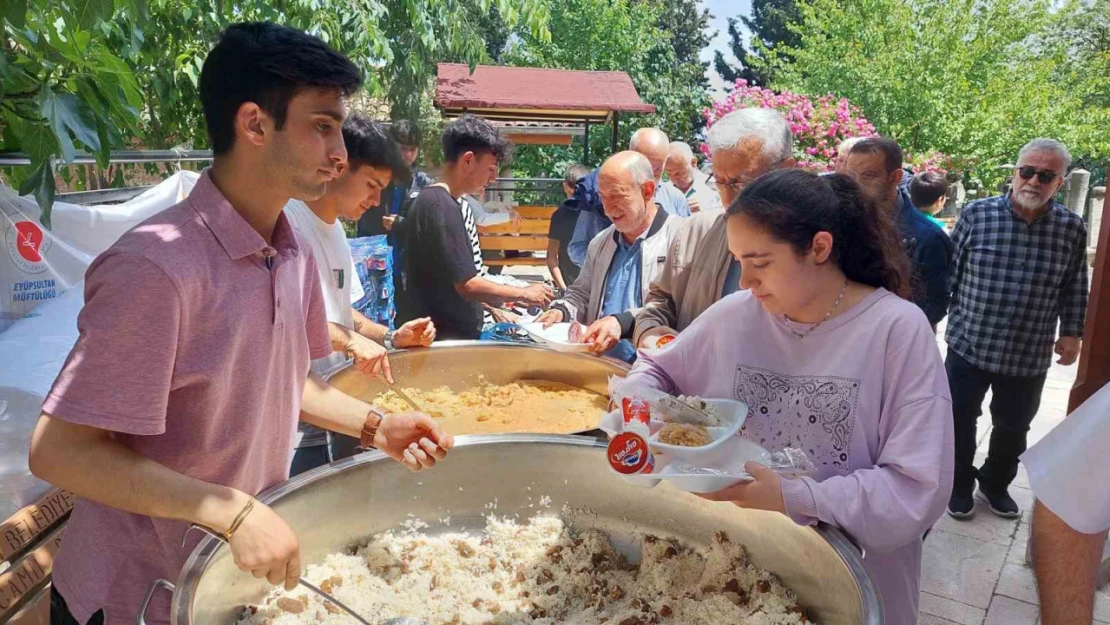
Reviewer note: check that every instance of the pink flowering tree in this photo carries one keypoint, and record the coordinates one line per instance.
(952, 167)
(818, 125)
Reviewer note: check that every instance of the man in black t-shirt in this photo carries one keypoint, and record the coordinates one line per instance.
(563, 270)
(445, 277)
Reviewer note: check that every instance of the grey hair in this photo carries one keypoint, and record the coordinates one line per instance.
(1047, 145)
(684, 148)
(846, 145)
(642, 133)
(767, 125)
(639, 169)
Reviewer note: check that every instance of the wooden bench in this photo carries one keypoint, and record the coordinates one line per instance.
(531, 236)
(29, 541)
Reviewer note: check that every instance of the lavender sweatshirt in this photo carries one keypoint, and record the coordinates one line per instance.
(864, 394)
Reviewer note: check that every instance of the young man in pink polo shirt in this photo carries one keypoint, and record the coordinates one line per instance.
(180, 399)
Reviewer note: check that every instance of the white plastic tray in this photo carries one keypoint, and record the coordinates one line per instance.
(736, 450)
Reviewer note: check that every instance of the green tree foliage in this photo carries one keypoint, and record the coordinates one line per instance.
(973, 79)
(613, 35)
(770, 24)
(98, 75)
(688, 24)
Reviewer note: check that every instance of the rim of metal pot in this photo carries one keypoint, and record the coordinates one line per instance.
(198, 560)
(624, 366)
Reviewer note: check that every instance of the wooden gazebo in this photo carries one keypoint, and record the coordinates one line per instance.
(557, 97)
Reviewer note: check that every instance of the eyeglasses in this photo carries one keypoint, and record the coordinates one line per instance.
(736, 186)
(1045, 176)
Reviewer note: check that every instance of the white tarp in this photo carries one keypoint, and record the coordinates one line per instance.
(33, 351)
(39, 264)
(93, 229)
(36, 265)
(40, 332)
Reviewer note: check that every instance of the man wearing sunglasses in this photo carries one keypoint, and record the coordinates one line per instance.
(699, 270)
(1020, 267)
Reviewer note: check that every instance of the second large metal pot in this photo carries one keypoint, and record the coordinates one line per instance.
(335, 507)
(459, 365)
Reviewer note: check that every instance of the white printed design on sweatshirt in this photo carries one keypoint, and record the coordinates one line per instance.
(814, 413)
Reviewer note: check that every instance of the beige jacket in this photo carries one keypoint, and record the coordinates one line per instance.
(583, 299)
(692, 278)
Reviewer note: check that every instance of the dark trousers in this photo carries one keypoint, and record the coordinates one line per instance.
(338, 448)
(308, 458)
(60, 614)
(1013, 405)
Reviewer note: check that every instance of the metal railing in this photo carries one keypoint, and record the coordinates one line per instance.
(523, 190)
(19, 159)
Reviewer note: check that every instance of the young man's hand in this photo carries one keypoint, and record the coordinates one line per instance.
(370, 358)
(539, 294)
(388, 221)
(265, 545)
(416, 333)
(414, 439)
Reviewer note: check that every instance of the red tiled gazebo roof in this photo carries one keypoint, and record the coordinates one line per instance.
(531, 93)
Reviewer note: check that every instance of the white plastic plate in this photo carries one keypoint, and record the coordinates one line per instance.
(556, 337)
(732, 412)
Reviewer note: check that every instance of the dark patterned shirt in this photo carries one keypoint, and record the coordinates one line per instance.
(1012, 280)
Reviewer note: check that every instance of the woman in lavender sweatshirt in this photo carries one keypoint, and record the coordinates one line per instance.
(829, 359)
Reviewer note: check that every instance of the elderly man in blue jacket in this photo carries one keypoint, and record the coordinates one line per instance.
(876, 164)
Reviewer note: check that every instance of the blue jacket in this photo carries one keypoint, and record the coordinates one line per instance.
(930, 252)
(586, 196)
(586, 201)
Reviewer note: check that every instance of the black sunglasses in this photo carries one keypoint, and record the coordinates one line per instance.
(1045, 176)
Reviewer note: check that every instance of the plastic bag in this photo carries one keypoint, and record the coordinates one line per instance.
(666, 407)
(373, 260)
(787, 462)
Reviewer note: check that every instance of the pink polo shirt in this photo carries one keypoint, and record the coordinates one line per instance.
(195, 355)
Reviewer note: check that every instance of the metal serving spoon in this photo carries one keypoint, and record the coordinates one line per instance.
(327, 596)
(403, 395)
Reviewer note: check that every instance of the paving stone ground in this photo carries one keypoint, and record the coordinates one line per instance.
(974, 572)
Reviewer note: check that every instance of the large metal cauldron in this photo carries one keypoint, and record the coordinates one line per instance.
(335, 507)
(459, 364)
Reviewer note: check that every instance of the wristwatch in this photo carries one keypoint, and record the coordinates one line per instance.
(370, 428)
(389, 340)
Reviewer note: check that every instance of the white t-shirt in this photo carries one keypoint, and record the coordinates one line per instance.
(336, 269)
(1068, 468)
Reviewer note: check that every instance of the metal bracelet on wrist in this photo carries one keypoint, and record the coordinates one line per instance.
(389, 340)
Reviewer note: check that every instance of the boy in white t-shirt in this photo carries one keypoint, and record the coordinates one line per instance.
(373, 158)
